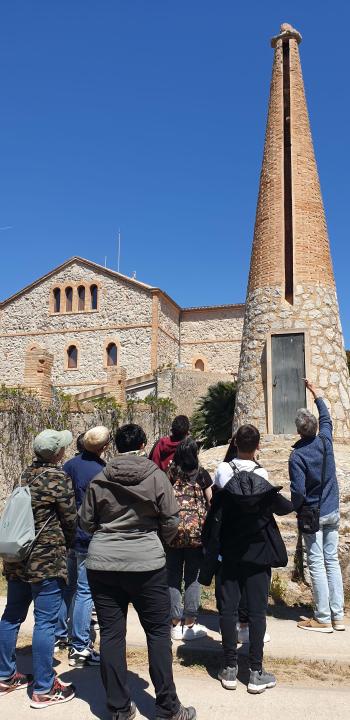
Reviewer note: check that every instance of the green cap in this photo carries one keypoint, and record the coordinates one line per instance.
(49, 442)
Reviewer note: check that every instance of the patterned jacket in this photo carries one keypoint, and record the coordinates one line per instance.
(52, 495)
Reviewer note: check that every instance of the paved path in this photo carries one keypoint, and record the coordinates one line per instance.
(203, 690)
(287, 641)
(210, 700)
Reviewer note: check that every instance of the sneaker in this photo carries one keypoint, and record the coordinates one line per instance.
(127, 714)
(58, 694)
(176, 632)
(183, 713)
(61, 644)
(338, 625)
(243, 635)
(228, 677)
(83, 658)
(17, 681)
(314, 625)
(193, 632)
(259, 681)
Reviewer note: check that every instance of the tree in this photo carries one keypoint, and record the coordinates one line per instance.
(211, 422)
(348, 358)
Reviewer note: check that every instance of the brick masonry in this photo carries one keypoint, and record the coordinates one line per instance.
(314, 306)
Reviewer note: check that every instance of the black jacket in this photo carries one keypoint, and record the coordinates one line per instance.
(240, 525)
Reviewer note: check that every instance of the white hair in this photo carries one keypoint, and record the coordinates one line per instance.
(306, 423)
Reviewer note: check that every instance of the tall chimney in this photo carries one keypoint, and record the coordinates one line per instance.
(292, 327)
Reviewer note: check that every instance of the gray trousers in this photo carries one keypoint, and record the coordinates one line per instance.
(183, 568)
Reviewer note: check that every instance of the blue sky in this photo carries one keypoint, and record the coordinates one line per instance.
(149, 115)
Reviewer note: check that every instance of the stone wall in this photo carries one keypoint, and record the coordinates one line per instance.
(315, 312)
(124, 317)
(168, 333)
(77, 422)
(213, 335)
(185, 387)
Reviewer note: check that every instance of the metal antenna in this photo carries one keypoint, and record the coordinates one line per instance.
(105, 261)
(118, 249)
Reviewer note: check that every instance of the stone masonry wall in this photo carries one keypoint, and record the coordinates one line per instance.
(168, 332)
(124, 317)
(214, 335)
(185, 387)
(315, 311)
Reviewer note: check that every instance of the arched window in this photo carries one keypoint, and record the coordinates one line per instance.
(56, 300)
(81, 297)
(199, 365)
(72, 357)
(112, 354)
(93, 296)
(69, 299)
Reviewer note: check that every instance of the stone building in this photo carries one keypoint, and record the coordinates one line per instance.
(81, 321)
(291, 327)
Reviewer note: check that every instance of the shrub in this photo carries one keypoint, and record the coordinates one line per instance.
(211, 422)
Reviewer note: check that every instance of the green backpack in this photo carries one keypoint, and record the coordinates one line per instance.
(17, 528)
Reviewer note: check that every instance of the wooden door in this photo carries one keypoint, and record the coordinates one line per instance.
(288, 389)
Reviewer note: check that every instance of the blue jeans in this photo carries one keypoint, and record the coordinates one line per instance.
(47, 598)
(324, 568)
(183, 565)
(76, 605)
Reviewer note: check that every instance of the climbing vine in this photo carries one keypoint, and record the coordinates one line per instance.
(23, 416)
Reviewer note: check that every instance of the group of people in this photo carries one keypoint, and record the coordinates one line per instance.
(148, 530)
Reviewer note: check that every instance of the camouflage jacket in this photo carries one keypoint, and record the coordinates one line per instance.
(52, 496)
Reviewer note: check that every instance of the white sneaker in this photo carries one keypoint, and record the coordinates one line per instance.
(176, 632)
(243, 635)
(194, 632)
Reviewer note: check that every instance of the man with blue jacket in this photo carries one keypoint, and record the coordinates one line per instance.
(305, 472)
(82, 468)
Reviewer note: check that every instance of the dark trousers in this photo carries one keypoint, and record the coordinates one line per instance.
(243, 604)
(254, 581)
(148, 591)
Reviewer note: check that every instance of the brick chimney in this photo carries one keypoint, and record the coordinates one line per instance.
(292, 327)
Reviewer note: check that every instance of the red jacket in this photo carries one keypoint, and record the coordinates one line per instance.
(163, 452)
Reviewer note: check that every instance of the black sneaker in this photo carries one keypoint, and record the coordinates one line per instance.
(259, 680)
(127, 714)
(228, 677)
(61, 644)
(83, 658)
(183, 713)
(17, 681)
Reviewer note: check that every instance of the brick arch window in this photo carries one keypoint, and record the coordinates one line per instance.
(81, 297)
(72, 357)
(199, 365)
(94, 296)
(56, 300)
(112, 354)
(69, 299)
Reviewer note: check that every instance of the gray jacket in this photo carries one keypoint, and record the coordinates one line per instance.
(129, 508)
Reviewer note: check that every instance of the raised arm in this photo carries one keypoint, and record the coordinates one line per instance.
(325, 420)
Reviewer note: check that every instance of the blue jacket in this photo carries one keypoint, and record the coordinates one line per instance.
(82, 469)
(305, 468)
